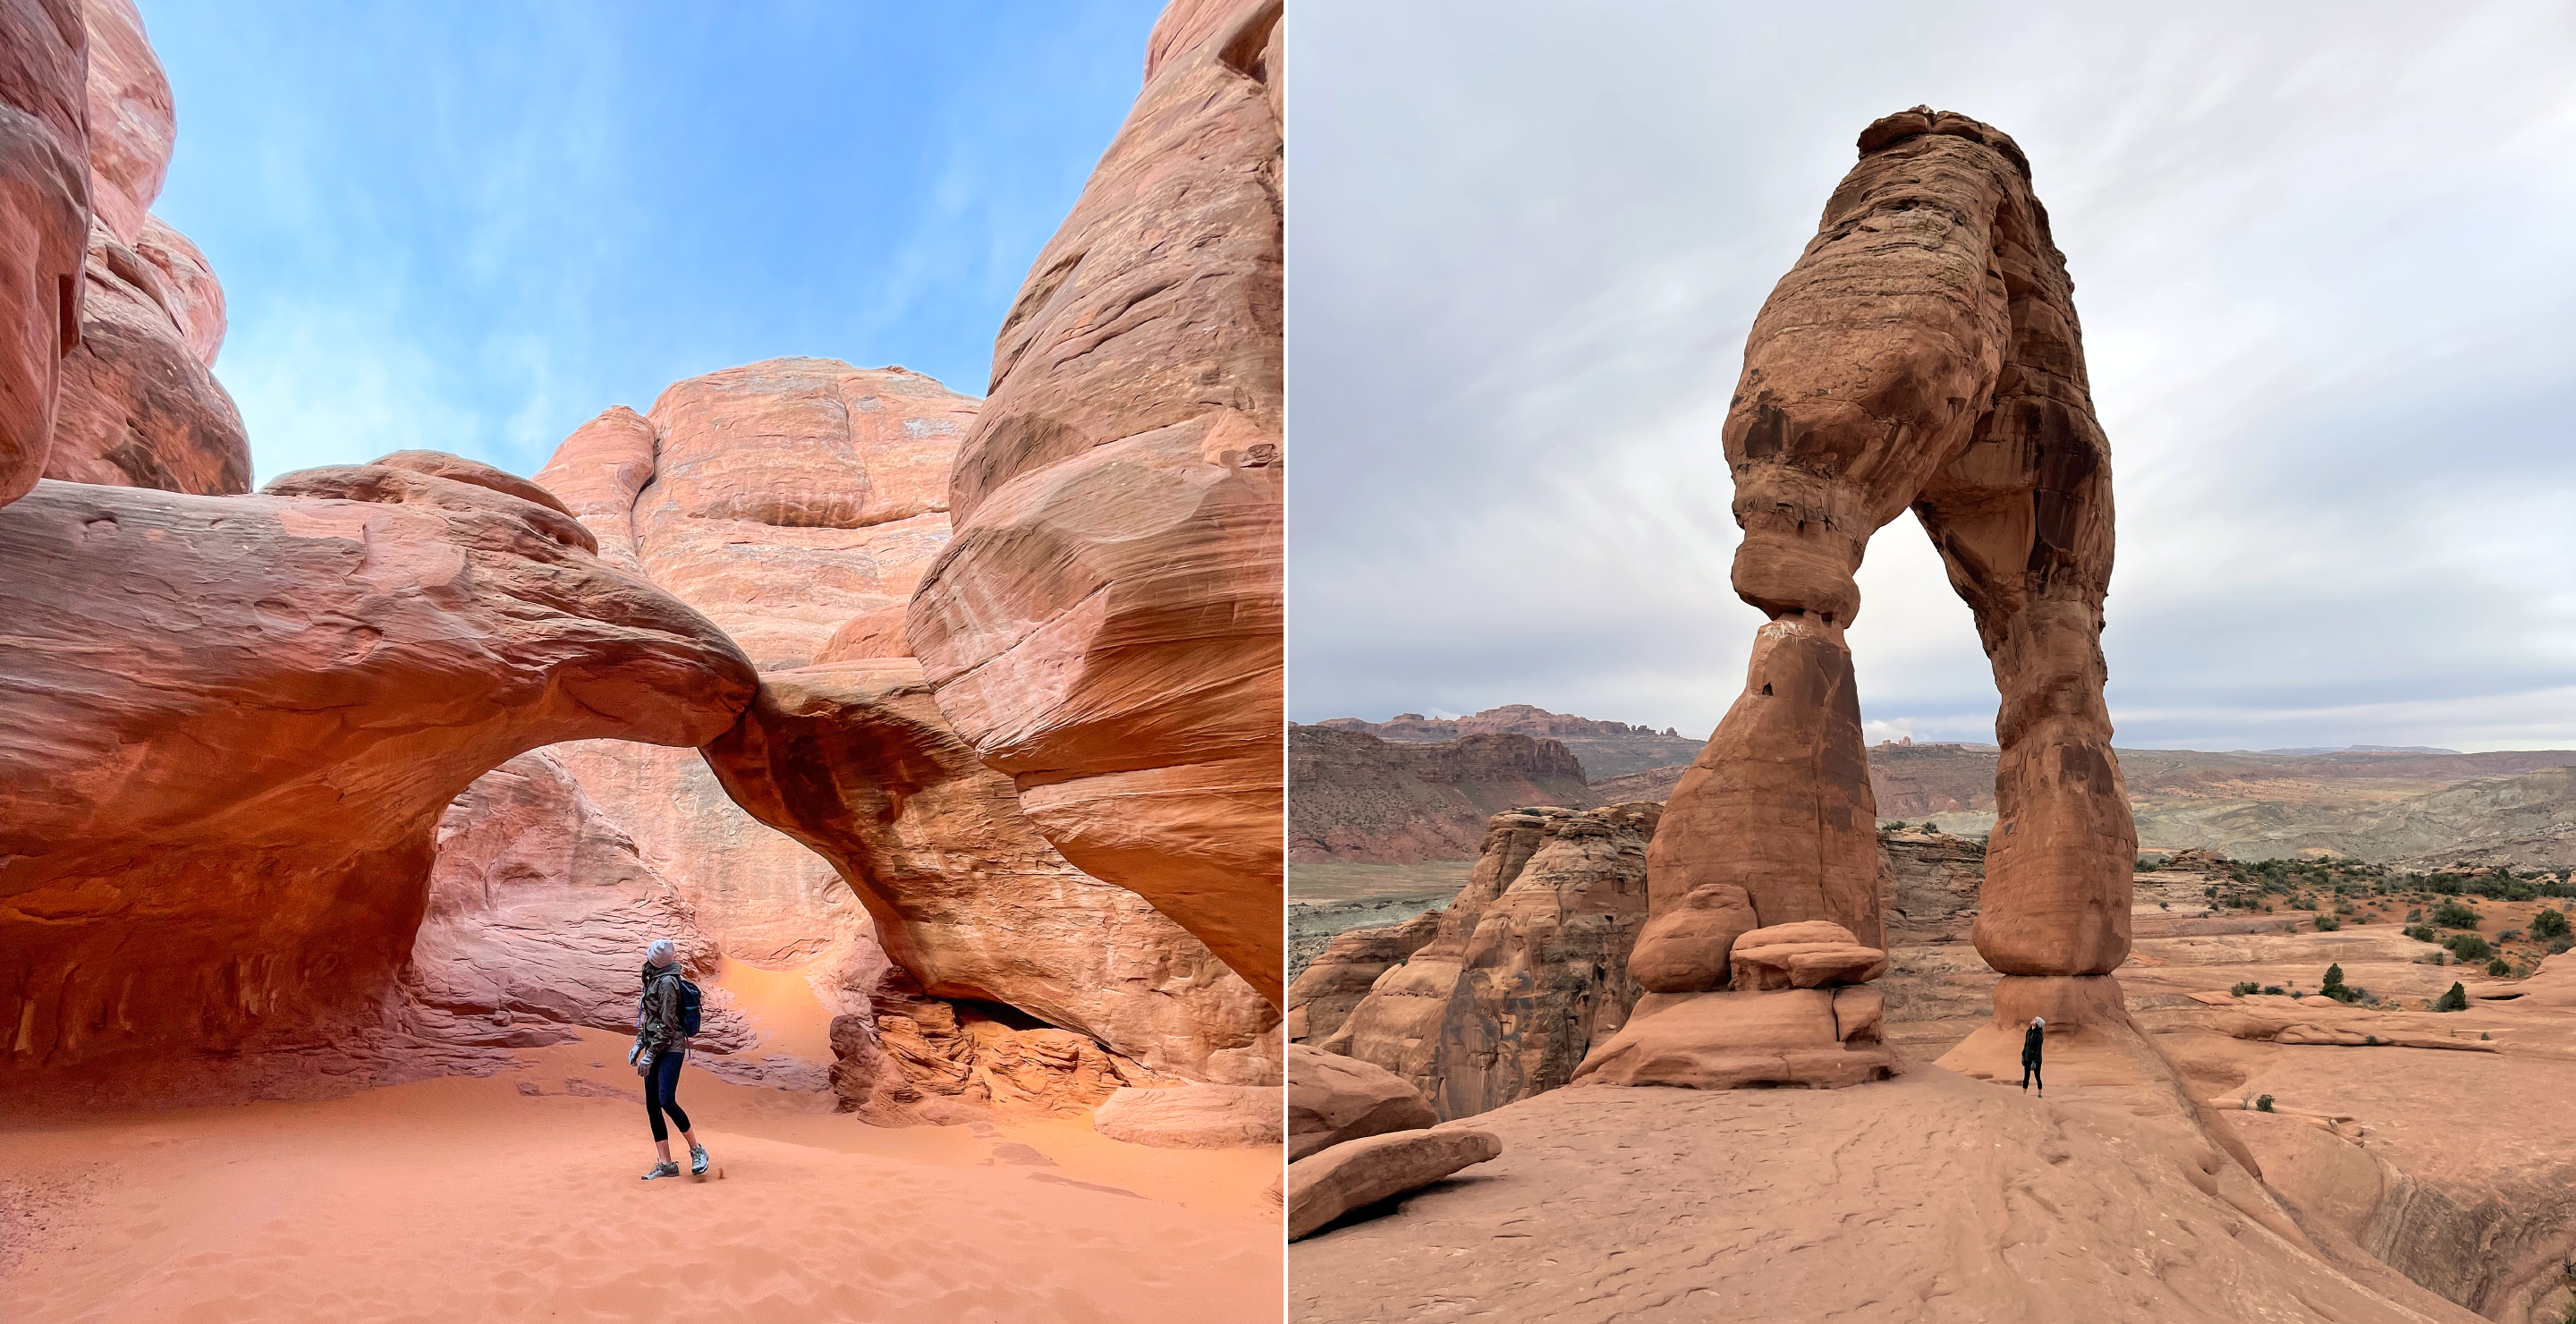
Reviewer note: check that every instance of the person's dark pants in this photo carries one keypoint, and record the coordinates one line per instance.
(2029, 1077)
(660, 1085)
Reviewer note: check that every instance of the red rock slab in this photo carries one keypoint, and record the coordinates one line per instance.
(1326, 1185)
(44, 223)
(1193, 1116)
(1332, 1098)
(1686, 949)
(1106, 625)
(856, 762)
(1731, 1040)
(229, 725)
(190, 292)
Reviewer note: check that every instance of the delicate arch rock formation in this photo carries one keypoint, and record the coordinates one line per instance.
(1923, 354)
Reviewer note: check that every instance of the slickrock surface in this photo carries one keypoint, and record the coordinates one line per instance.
(1526, 971)
(1193, 1117)
(228, 727)
(781, 498)
(1332, 1098)
(1363, 1172)
(1106, 626)
(1931, 1197)
(854, 760)
(44, 223)
(1360, 798)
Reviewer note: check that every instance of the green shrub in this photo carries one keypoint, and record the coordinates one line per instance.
(2453, 915)
(2414, 914)
(2433, 958)
(1931, 827)
(2455, 1000)
(2263, 1104)
(2240, 990)
(2274, 990)
(2508, 935)
(2557, 945)
(2328, 924)
(2468, 947)
(2549, 924)
(2498, 969)
(2420, 932)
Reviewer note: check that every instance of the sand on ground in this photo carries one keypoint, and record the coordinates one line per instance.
(474, 1199)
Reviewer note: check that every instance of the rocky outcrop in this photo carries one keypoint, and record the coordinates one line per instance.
(1363, 799)
(229, 728)
(855, 761)
(1106, 626)
(781, 498)
(1527, 970)
(44, 223)
(1332, 1099)
(138, 406)
(1922, 354)
(1340, 978)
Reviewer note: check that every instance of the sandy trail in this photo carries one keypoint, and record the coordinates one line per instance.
(470, 1199)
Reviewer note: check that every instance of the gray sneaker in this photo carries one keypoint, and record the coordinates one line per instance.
(663, 1170)
(698, 1160)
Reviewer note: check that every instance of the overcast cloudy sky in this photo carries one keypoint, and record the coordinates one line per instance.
(2322, 257)
(472, 227)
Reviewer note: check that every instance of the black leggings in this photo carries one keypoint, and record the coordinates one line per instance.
(660, 1084)
(2029, 1077)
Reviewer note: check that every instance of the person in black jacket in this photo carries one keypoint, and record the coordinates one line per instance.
(2030, 1040)
(661, 1045)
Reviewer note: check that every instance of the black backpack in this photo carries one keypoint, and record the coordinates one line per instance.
(688, 1006)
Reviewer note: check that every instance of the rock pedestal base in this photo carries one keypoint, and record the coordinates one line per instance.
(1819, 1038)
(2064, 1001)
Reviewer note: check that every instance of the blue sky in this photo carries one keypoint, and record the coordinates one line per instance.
(471, 227)
(2318, 251)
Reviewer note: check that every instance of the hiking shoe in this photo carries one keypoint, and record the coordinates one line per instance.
(698, 1160)
(663, 1170)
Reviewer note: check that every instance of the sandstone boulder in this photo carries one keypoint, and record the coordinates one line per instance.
(1686, 948)
(1106, 626)
(855, 761)
(44, 223)
(189, 290)
(1332, 1098)
(1193, 1117)
(229, 727)
(1809, 954)
(1347, 1176)
(132, 123)
(1731, 1040)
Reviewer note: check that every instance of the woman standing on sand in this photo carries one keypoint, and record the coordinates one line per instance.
(2030, 1041)
(661, 1043)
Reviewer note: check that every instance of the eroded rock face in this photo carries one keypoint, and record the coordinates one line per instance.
(781, 498)
(1347, 1176)
(1193, 1117)
(854, 760)
(1923, 354)
(1519, 983)
(1340, 978)
(229, 726)
(1105, 628)
(44, 223)
(132, 124)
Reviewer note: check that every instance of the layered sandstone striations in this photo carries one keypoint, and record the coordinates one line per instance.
(1105, 628)
(229, 727)
(139, 406)
(44, 223)
(1604, 748)
(854, 760)
(1526, 972)
(781, 498)
(1361, 798)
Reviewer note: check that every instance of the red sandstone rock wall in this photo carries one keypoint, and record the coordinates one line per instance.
(44, 222)
(1105, 627)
